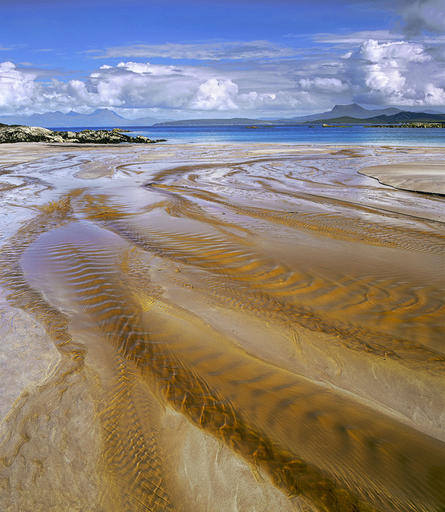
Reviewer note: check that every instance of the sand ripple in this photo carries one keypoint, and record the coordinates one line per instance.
(236, 332)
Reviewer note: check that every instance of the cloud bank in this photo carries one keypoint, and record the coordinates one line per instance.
(135, 85)
(388, 71)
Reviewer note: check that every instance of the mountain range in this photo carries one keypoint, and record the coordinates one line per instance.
(400, 117)
(352, 113)
(233, 121)
(346, 114)
(352, 110)
(99, 118)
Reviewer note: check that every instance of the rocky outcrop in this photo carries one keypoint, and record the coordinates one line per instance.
(27, 134)
(37, 134)
(414, 124)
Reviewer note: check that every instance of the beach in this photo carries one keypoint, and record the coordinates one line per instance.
(222, 326)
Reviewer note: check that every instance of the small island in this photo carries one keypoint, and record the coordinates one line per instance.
(17, 133)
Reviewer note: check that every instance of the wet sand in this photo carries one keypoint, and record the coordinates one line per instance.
(428, 177)
(223, 327)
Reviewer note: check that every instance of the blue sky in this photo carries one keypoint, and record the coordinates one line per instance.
(219, 58)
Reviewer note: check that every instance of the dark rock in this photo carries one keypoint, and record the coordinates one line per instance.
(37, 134)
(27, 134)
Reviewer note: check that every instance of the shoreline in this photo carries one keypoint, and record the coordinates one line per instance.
(408, 176)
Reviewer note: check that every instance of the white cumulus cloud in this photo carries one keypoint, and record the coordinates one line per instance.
(214, 94)
(131, 85)
(395, 73)
(15, 87)
(397, 53)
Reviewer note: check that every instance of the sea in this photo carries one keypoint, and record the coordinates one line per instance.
(298, 134)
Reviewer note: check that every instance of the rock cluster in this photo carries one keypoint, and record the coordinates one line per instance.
(414, 124)
(37, 134)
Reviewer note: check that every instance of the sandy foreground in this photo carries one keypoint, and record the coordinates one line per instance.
(222, 327)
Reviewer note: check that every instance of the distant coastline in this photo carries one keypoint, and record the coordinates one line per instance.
(339, 114)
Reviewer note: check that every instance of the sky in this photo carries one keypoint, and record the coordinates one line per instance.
(220, 58)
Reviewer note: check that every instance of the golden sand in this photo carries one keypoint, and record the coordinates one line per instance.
(220, 328)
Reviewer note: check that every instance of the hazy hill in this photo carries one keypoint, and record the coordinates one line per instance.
(100, 117)
(107, 118)
(352, 110)
(234, 121)
(401, 117)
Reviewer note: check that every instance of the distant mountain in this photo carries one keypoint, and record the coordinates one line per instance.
(400, 117)
(100, 117)
(234, 121)
(403, 116)
(352, 110)
(107, 118)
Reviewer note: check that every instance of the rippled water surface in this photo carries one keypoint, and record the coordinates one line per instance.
(247, 327)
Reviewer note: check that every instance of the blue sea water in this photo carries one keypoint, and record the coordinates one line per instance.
(300, 134)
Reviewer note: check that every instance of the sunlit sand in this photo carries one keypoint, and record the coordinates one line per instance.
(221, 328)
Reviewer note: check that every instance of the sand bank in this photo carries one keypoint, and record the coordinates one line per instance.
(426, 176)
